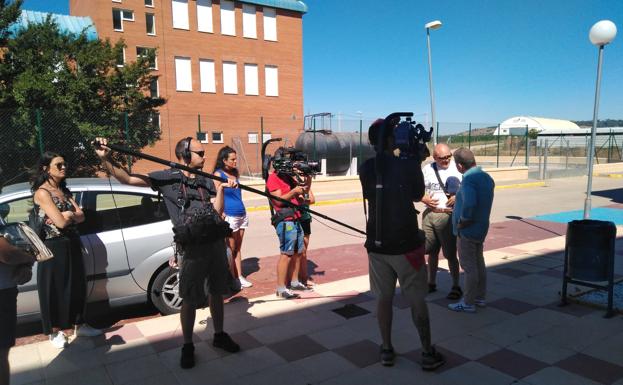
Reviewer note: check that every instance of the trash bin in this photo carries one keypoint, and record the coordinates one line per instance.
(590, 249)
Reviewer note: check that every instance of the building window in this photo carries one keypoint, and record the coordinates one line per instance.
(266, 136)
(119, 16)
(149, 53)
(250, 79)
(180, 14)
(117, 22)
(204, 16)
(206, 75)
(249, 21)
(202, 137)
(183, 74)
(217, 137)
(154, 120)
(230, 78)
(228, 18)
(270, 24)
(149, 3)
(121, 58)
(116, 1)
(272, 80)
(252, 137)
(153, 89)
(150, 23)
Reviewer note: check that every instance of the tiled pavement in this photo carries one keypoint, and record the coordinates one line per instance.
(331, 337)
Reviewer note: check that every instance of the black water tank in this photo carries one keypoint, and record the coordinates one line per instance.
(590, 249)
(337, 148)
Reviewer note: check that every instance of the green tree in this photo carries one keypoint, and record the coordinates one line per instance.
(74, 90)
(533, 133)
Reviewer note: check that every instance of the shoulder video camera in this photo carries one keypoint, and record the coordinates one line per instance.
(410, 138)
(288, 160)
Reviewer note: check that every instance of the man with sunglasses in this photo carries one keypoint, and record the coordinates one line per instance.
(204, 263)
(436, 219)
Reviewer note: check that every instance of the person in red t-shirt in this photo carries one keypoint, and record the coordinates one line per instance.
(289, 229)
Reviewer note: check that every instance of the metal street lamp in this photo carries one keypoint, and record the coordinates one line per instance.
(601, 33)
(436, 24)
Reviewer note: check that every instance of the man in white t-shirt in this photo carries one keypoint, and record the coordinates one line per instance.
(441, 179)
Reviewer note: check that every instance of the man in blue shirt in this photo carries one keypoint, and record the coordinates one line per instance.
(470, 223)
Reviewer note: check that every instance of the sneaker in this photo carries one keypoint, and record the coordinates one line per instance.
(298, 286)
(223, 341)
(480, 303)
(244, 283)
(187, 360)
(432, 360)
(86, 330)
(462, 307)
(387, 356)
(287, 294)
(59, 340)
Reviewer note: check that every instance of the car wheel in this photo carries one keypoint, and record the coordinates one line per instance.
(165, 293)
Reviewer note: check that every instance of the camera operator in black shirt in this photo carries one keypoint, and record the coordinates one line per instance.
(399, 253)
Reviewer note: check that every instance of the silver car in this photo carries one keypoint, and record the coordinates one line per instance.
(127, 241)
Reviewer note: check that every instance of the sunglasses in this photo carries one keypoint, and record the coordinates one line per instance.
(60, 165)
(200, 153)
(447, 157)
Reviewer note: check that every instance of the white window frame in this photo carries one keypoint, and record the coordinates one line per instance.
(187, 64)
(270, 24)
(230, 78)
(116, 1)
(155, 67)
(221, 140)
(153, 15)
(203, 138)
(150, 5)
(120, 19)
(177, 22)
(123, 53)
(266, 136)
(249, 21)
(251, 79)
(252, 137)
(207, 76)
(123, 18)
(157, 89)
(271, 89)
(228, 18)
(205, 19)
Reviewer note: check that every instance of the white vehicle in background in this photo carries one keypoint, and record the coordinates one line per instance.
(127, 241)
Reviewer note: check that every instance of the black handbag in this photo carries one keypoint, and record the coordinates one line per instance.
(36, 222)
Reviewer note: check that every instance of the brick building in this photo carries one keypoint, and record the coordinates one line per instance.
(223, 66)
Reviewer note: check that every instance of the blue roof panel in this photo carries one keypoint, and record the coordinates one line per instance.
(70, 25)
(292, 5)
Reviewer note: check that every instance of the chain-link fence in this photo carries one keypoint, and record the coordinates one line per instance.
(25, 135)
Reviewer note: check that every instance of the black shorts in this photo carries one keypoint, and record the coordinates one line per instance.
(8, 317)
(306, 225)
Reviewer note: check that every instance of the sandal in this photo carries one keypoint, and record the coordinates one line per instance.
(455, 293)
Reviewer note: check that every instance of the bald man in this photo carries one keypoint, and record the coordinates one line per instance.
(441, 180)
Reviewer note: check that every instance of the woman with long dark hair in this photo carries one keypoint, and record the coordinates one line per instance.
(235, 212)
(61, 280)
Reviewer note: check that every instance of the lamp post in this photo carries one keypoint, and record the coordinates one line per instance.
(601, 33)
(436, 24)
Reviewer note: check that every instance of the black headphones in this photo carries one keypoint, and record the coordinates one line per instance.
(186, 155)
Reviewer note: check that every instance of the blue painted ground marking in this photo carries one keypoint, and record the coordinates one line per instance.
(599, 213)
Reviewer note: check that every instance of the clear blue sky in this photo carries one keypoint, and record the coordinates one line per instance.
(492, 59)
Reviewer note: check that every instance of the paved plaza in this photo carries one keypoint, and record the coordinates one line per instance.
(330, 336)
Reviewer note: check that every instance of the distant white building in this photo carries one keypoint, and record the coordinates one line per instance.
(517, 126)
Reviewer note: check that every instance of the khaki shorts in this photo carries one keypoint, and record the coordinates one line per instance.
(439, 235)
(386, 269)
(204, 270)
